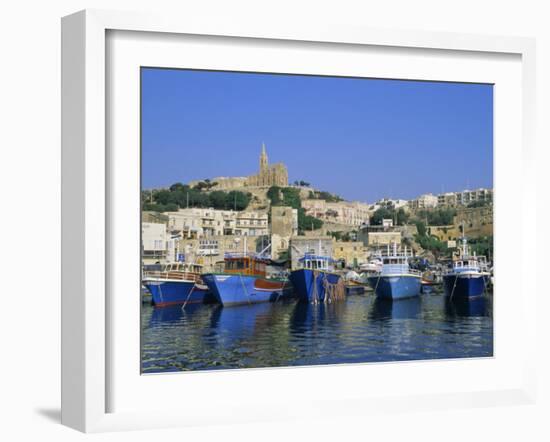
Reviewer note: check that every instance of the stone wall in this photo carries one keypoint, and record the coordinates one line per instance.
(353, 253)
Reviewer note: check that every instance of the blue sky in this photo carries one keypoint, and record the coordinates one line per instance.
(364, 139)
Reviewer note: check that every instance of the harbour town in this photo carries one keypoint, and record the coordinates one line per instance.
(259, 271)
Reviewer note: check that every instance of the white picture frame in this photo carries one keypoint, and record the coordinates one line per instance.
(86, 317)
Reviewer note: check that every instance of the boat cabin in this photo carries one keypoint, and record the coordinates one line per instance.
(464, 265)
(465, 262)
(396, 262)
(179, 271)
(245, 264)
(183, 267)
(470, 264)
(316, 262)
(389, 260)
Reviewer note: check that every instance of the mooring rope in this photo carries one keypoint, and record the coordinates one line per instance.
(244, 289)
(160, 291)
(377, 281)
(188, 296)
(314, 294)
(454, 286)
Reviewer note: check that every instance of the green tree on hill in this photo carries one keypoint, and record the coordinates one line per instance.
(327, 196)
(182, 196)
(437, 217)
(429, 242)
(399, 216)
(288, 196)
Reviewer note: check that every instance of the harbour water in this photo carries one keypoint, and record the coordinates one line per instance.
(359, 329)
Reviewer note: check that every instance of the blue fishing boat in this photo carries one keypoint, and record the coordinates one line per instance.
(396, 280)
(314, 281)
(245, 281)
(468, 276)
(177, 283)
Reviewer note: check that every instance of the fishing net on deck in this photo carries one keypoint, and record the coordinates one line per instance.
(333, 291)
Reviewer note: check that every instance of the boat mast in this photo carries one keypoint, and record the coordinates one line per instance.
(464, 246)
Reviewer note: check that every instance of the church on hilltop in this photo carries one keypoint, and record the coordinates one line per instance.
(270, 174)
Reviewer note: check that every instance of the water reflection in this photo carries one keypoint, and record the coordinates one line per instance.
(237, 323)
(399, 309)
(310, 316)
(359, 329)
(460, 307)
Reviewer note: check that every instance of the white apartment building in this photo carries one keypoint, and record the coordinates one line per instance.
(157, 244)
(396, 203)
(251, 224)
(468, 196)
(204, 223)
(341, 212)
(446, 199)
(426, 201)
(464, 197)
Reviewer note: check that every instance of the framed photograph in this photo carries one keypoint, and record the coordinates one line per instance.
(265, 224)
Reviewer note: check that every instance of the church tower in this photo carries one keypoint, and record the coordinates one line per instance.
(263, 161)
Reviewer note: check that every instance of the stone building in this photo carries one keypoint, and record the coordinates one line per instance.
(376, 236)
(476, 221)
(157, 247)
(353, 253)
(376, 239)
(225, 183)
(349, 213)
(210, 251)
(451, 199)
(269, 174)
(284, 225)
(426, 201)
(203, 223)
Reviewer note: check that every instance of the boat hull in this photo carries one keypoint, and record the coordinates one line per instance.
(235, 289)
(165, 293)
(396, 287)
(311, 288)
(466, 286)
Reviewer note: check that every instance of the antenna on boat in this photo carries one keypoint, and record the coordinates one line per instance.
(464, 247)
